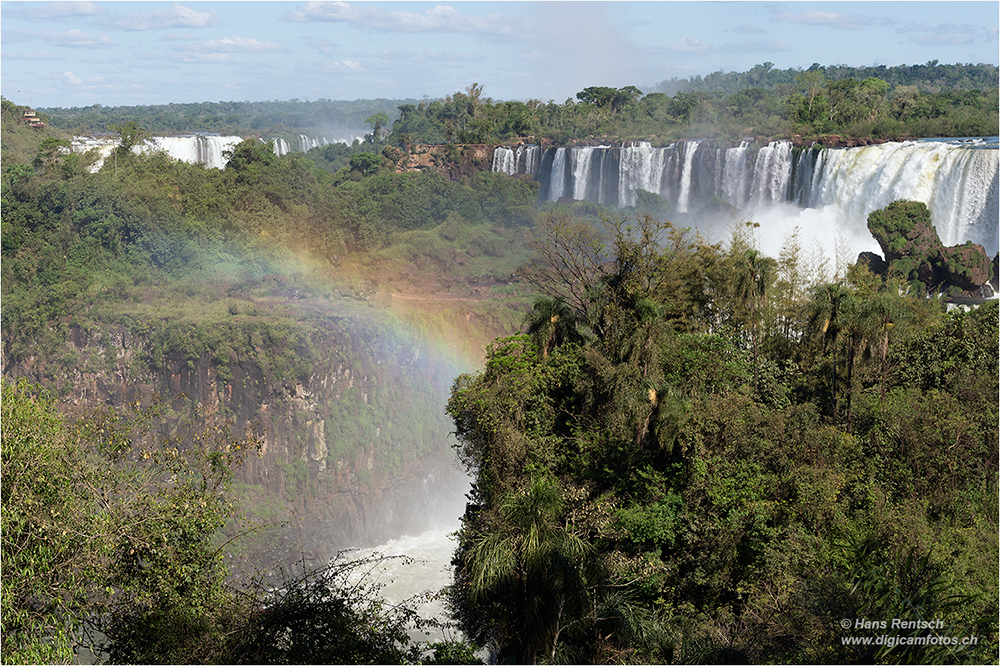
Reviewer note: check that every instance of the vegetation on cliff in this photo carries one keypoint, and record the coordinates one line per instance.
(912, 248)
(811, 103)
(675, 477)
(114, 539)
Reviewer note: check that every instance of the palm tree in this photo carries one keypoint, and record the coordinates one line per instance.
(527, 574)
(829, 312)
(540, 591)
(754, 276)
(551, 323)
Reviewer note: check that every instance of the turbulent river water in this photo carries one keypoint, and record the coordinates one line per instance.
(426, 567)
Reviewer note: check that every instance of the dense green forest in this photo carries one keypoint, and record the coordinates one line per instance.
(146, 227)
(184, 258)
(237, 118)
(883, 102)
(691, 457)
(691, 453)
(811, 106)
(931, 77)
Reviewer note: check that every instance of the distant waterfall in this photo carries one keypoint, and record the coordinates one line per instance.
(280, 147)
(207, 150)
(958, 182)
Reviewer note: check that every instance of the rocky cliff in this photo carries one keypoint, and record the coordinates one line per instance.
(351, 401)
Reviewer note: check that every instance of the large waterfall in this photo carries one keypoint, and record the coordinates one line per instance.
(819, 190)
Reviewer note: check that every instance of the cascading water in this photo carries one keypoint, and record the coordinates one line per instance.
(280, 147)
(959, 185)
(771, 174)
(206, 149)
(683, 201)
(558, 182)
(431, 551)
(822, 191)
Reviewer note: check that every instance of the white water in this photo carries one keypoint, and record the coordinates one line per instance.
(430, 572)
(689, 150)
(958, 185)
(731, 179)
(581, 172)
(558, 175)
(208, 150)
(833, 192)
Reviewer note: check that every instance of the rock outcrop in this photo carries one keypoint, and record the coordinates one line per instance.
(911, 245)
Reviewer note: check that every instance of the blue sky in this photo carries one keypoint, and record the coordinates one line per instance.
(63, 54)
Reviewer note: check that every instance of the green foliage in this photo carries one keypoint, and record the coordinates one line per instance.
(107, 526)
(711, 472)
(242, 118)
(332, 615)
(111, 541)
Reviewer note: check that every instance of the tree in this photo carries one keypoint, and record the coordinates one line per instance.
(365, 163)
(569, 257)
(249, 159)
(524, 579)
(551, 323)
(49, 152)
(106, 526)
(829, 313)
(754, 275)
(130, 134)
(378, 121)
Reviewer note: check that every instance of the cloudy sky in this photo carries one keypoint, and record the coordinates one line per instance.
(64, 54)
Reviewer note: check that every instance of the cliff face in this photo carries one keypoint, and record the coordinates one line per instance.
(356, 439)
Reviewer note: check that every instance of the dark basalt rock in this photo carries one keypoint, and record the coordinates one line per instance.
(965, 266)
(874, 262)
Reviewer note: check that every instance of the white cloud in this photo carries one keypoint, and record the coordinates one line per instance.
(947, 34)
(194, 56)
(36, 55)
(76, 39)
(823, 19)
(760, 46)
(70, 38)
(54, 11)
(70, 79)
(441, 18)
(179, 17)
(746, 30)
(238, 45)
(689, 45)
(324, 46)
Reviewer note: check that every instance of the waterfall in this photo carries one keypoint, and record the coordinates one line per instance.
(771, 173)
(958, 185)
(683, 200)
(504, 161)
(957, 181)
(207, 150)
(581, 172)
(558, 180)
(732, 178)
